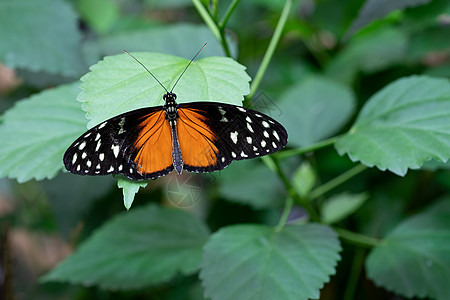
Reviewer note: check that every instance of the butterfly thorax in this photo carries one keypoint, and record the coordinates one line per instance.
(170, 107)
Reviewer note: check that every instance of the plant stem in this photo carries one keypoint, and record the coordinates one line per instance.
(293, 196)
(212, 24)
(321, 144)
(284, 216)
(357, 238)
(319, 191)
(352, 282)
(271, 49)
(227, 15)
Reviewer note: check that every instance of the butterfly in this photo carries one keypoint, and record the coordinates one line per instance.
(148, 143)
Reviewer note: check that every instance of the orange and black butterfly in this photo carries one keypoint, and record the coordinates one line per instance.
(200, 137)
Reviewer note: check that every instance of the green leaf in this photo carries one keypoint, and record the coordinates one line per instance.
(255, 262)
(252, 183)
(340, 206)
(369, 52)
(36, 132)
(428, 42)
(100, 14)
(304, 179)
(402, 126)
(413, 260)
(142, 247)
(315, 109)
(118, 83)
(129, 189)
(40, 36)
(376, 9)
(178, 39)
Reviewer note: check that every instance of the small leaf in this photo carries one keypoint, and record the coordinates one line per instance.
(340, 206)
(377, 9)
(36, 132)
(129, 189)
(304, 179)
(142, 247)
(255, 262)
(402, 126)
(40, 36)
(118, 83)
(413, 260)
(369, 52)
(314, 109)
(100, 14)
(252, 183)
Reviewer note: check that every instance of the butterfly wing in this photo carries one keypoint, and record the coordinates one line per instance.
(212, 135)
(137, 144)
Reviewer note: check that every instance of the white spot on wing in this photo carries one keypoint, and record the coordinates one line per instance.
(249, 139)
(234, 136)
(263, 143)
(98, 145)
(89, 163)
(248, 119)
(265, 124)
(78, 168)
(241, 109)
(249, 127)
(82, 145)
(83, 156)
(110, 169)
(98, 167)
(102, 125)
(87, 135)
(115, 149)
(258, 115)
(120, 168)
(266, 134)
(243, 154)
(97, 137)
(74, 159)
(233, 154)
(101, 156)
(254, 148)
(223, 159)
(275, 134)
(274, 145)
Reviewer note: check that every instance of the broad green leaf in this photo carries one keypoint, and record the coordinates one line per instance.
(315, 109)
(252, 183)
(340, 206)
(178, 39)
(402, 126)
(255, 262)
(304, 179)
(35, 133)
(129, 189)
(118, 83)
(413, 260)
(370, 52)
(141, 247)
(40, 36)
(100, 14)
(376, 9)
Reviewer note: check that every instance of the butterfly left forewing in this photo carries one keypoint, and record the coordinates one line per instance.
(229, 133)
(116, 146)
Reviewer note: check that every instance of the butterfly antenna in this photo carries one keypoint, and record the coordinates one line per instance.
(187, 66)
(148, 69)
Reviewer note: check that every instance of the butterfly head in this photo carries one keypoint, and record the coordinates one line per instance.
(169, 97)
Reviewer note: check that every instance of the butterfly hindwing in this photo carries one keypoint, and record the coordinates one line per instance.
(122, 145)
(223, 133)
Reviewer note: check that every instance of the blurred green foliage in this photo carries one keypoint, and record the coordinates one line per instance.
(365, 80)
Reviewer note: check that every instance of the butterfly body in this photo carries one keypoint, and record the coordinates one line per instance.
(200, 137)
